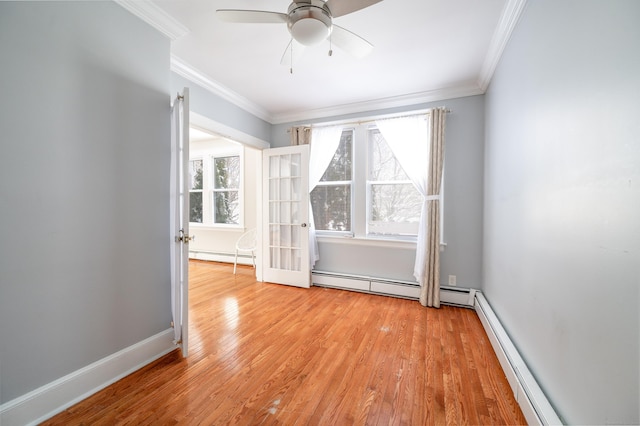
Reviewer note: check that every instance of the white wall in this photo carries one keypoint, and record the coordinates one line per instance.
(84, 188)
(562, 203)
(463, 178)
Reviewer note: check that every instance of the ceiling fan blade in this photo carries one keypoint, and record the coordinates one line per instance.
(350, 42)
(289, 57)
(251, 16)
(344, 7)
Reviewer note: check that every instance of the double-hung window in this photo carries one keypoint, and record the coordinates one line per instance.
(365, 192)
(215, 184)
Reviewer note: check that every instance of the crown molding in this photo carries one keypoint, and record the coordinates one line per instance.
(379, 104)
(510, 16)
(156, 17)
(187, 71)
(159, 19)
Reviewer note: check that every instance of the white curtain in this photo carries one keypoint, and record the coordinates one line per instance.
(324, 144)
(410, 140)
(174, 216)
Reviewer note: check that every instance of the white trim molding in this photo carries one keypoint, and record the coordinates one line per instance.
(380, 104)
(532, 401)
(224, 257)
(185, 70)
(156, 17)
(206, 124)
(198, 77)
(165, 23)
(510, 16)
(52, 398)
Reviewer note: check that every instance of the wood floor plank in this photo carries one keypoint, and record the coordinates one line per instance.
(267, 354)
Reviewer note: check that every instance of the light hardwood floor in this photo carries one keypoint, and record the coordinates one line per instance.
(271, 354)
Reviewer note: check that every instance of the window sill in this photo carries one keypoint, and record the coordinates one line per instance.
(211, 227)
(369, 242)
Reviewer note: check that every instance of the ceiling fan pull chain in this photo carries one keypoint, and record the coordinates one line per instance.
(330, 46)
(291, 67)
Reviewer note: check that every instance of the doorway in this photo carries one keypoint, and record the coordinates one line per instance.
(226, 192)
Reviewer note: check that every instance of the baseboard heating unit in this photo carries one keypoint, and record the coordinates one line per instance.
(406, 289)
(534, 404)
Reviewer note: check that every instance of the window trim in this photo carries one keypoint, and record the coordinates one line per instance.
(358, 234)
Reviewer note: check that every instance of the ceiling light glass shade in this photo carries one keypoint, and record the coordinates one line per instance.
(309, 31)
(309, 23)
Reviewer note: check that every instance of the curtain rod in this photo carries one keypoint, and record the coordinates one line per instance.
(309, 126)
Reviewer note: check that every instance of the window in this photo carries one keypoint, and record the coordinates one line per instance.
(331, 198)
(394, 203)
(364, 191)
(226, 190)
(215, 184)
(195, 191)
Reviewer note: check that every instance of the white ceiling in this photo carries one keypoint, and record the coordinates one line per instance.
(425, 50)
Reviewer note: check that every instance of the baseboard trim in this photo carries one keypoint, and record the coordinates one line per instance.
(532, 401)
(243, 259)
(52, 398)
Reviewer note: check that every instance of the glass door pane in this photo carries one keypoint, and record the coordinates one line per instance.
(286, 204)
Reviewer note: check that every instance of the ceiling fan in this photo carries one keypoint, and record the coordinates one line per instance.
(310, 22)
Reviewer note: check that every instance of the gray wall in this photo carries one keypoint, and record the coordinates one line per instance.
(462, 206)
(84, 254)
(209, 105)
(562, 203)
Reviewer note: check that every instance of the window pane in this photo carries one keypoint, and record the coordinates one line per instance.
(227, 172)
(296, 160)
(331, 206)
(195, 207)
(226, 207)
(340, 167)
(195, 174)
(383, 164)
(395, 209)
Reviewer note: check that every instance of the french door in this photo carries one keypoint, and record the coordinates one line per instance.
(179, 218)
(286, 215)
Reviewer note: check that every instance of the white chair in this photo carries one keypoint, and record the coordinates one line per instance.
(246, 242)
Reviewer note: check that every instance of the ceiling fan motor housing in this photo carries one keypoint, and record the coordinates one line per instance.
(309, 21)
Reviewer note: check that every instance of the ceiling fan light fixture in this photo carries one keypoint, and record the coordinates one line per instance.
(309, 23)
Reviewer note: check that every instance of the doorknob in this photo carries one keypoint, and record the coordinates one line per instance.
(304, 225)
